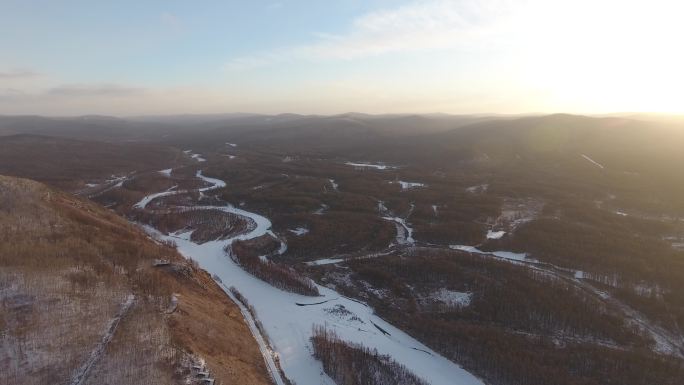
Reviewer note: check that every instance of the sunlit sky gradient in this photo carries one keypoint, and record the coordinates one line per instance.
(332, 56)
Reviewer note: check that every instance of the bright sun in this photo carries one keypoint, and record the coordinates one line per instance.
(605, 55)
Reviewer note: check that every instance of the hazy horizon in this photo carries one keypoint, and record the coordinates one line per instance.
(511, 57)
(627, 114)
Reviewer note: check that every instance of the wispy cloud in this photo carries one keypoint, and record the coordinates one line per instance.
(80, 90)
(169, 19)
(18, 74)
(418, 26)
(11, 95)
(71, 92)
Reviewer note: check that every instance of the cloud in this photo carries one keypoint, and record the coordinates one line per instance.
(172, 25)
(18, 74)
(11, 95)
(170, 20)
(417, 26)
(108, 90)
(257, 61)
(72, 93)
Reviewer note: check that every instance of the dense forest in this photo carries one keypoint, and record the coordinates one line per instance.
(353, 364)
(278, 275)
(206, 225)
(595, 204)
(519, 327)
(626, 255)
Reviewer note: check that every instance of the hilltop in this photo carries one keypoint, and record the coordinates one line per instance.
(87, 298)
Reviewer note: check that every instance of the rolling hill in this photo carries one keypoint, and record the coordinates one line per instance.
(87, 298)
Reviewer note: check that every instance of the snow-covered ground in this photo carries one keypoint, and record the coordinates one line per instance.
(325, 261)
(382, 208)
(265, 349)
(299, 231)
(149, 198)
(370, 165)
(93, 190)
(597, 164)
(231, 144)
(288, 318)
(113, 181)
(166, 172)
(213, 184)
(321, 210)
(404, 231)
(482, 188)
(516, 212)
(119, 183)
(452, 298)
(409, 185)
(491, 234)
(334, 185)
(332, 261)
(197, 157)
(521, 257)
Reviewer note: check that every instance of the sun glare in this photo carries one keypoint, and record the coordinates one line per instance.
(605, 55)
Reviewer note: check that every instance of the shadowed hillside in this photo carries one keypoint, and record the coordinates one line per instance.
(69, 163)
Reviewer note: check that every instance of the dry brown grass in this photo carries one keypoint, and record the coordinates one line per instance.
(66, 266)
(49, 324)
(141, 351)
(211, 326)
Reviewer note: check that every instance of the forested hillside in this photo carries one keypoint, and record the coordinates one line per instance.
(533, 250)
(87, 298)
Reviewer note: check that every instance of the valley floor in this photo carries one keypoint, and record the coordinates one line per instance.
(289, 319)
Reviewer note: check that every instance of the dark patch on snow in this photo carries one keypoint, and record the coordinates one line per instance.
(385, 332)
(311, 304)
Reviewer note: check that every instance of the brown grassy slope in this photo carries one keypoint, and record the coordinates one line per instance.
(67, 265)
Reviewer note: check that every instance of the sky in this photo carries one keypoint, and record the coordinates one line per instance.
(124, 58)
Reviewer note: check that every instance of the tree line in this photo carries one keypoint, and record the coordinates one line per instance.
(354, 364)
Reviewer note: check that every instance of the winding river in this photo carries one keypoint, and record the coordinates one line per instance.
(288, 318)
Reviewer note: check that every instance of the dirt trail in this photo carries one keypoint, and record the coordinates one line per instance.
(81, 373)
